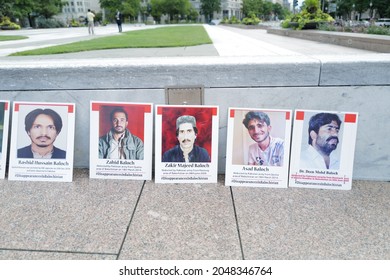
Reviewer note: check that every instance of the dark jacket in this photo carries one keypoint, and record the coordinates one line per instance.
(175, 154)
(26, 152)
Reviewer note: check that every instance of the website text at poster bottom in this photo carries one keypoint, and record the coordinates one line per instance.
(255, 182)
(184, 178)
(318, 184)
(41, 176)
(326, 181)
(107, 174)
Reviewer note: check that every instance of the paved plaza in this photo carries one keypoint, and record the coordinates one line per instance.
(227, 42)
(131, 220)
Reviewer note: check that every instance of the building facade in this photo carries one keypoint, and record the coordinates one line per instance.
(77, 10)
(229, 8)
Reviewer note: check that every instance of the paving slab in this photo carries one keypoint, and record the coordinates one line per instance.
(85, 216)
(260, 42)
(176, 221)
(315, 224)
(30, 255)
(201, 50)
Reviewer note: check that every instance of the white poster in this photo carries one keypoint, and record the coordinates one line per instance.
(121, 139)
(4, 124)
(258, 147)
(186, 149)
(323, 149)
(42, 142)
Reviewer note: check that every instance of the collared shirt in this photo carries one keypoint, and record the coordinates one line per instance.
(26, 152)
(312, 159)
(46, 156)
(272, 156)
(116, 148)
(198, 154)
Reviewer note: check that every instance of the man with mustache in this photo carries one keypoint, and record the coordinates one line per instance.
(323, 140)
(186, 151)
(119, 143)
(268, 150)
(43, 127)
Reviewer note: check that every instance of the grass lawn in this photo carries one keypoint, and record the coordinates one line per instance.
(163, 37)
(10, 37)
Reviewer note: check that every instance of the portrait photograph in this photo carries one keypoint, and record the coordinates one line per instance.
(325, 135)
(122, 120)
(42, 141)
(199, 119)
(4, 124)
(41, 127)
(258, 145)
(323, 149)
(121, 140)
(243, 141)
(187, 137)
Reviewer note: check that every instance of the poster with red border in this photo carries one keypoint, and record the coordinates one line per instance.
(186, 144)
(323, 149)
(129, 157)
(4, 126)
(258, 147)
(42, 141)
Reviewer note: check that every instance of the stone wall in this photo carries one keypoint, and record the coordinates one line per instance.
(324, 83)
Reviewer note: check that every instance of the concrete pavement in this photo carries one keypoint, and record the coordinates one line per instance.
(227, 42)
(123, 219)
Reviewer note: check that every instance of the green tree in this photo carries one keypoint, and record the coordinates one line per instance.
(208, 7)
(267, 10)
(279, 11)
(20, 9)
(193, 14)
(252, 7)
(48, 8)
(6, 8)
(381, 7)
(345, 7)
(176, 8)
(128, 8)
(131, 8)
(157, 9)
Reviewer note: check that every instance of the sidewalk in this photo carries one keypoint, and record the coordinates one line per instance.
(228, 42)
(116, 219)
(120, 219)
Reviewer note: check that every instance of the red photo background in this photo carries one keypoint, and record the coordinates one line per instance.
(204, 121)
(136, 119)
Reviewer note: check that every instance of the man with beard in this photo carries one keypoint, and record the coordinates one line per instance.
(323, 140)
(119, 143)
(268, 150)
(43, 127)
(186, 151)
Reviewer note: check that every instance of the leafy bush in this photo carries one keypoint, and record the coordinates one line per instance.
(372, 29)
(77, 23)
(234, 20)
(378, 30)
(252, 20)
(286, 23)
(309, 14)
(7, 24)
(225, 20)
(327, 27)
(49, 23)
